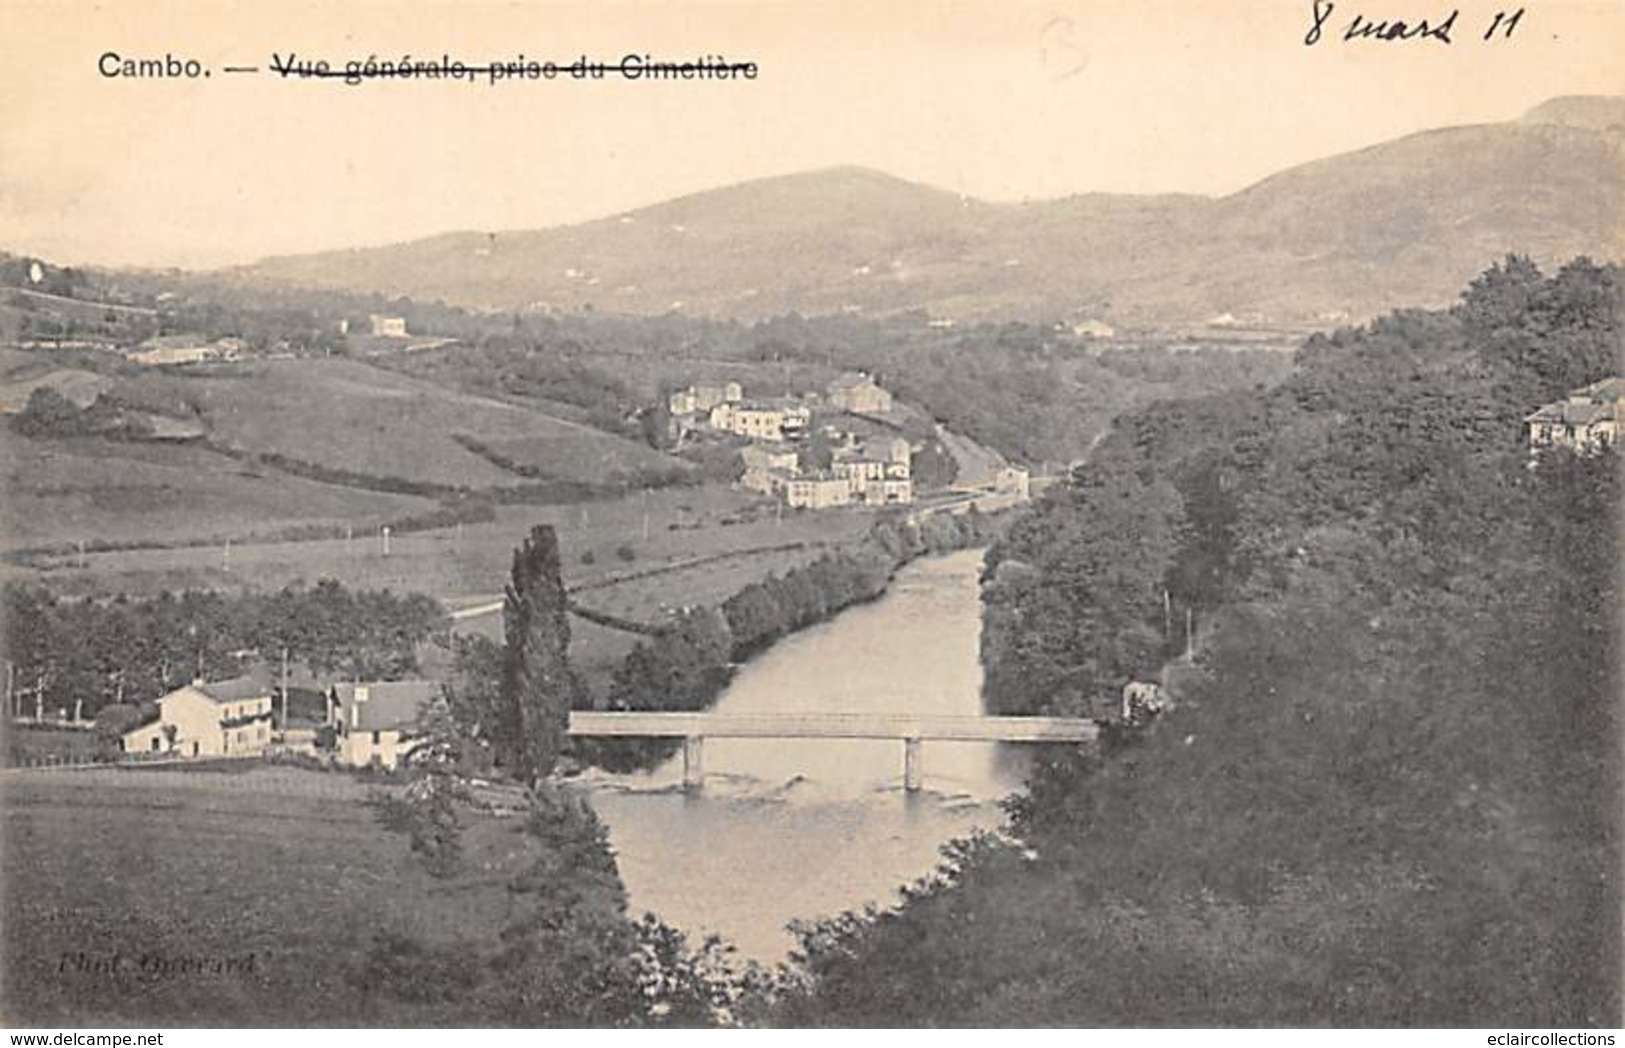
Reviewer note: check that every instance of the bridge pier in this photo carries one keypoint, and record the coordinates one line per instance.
(911, 765)
(693, 762)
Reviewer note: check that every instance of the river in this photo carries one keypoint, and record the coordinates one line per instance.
(804, 828)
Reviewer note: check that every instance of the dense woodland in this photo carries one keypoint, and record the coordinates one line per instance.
(1388, 792)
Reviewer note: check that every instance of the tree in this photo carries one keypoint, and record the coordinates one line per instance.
(537, 684)
(426, 811)
(112, 722)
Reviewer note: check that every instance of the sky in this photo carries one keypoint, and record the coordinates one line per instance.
(1002, 101)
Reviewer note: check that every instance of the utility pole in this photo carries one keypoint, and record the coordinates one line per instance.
(1167, 617)
(284, 692)
(1190, 645)
(11, 689)
(645, 514)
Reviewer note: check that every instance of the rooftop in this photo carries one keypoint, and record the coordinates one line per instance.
(388, 705)
(237, 689)
(852, 380)
(1597, 402)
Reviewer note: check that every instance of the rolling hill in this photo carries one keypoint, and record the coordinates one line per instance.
(1406, 222)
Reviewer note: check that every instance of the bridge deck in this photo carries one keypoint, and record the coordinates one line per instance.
(834, 726)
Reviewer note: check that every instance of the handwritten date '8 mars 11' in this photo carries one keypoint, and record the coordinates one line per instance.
(1362, 27)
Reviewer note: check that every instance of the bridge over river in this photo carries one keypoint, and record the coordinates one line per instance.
(911, 730)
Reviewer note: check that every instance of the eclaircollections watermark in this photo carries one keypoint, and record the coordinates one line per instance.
(151, 963)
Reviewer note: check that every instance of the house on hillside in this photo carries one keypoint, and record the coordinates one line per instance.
(857, 392)
(821, 491)
(858, 468)
(1587, 421)
(769, 482)
(768, 469)
(230, 718)
(387, 327)
(172, 350)
(888, 491)
(376, 722)
(772, 422)
(700, 399)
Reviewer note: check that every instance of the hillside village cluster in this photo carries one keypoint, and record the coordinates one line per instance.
(865, 472)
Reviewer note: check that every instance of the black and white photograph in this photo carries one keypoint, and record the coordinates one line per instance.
(1058, 514)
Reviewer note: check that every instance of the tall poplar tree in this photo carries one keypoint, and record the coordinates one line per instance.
(537, 684)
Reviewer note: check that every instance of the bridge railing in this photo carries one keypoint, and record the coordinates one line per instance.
(833, 726)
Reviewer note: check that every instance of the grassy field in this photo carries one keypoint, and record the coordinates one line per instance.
(65, 491)
(275, 879)
(472, 562)
(348, 415)
(651, 599)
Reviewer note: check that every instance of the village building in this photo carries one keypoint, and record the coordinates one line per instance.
(229, 718)
(770, 422)
(889, 491)
(820, 491)
(876, 478)
(700, 399)
(375, 722)
(1586, 421)
(758, 456)
(857, 392)
(170, 350)
(387, 327)
(857, 468)
(767, 481)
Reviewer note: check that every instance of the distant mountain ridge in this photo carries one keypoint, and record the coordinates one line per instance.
(1406, 222)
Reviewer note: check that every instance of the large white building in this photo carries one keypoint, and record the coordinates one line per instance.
(229, 718)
